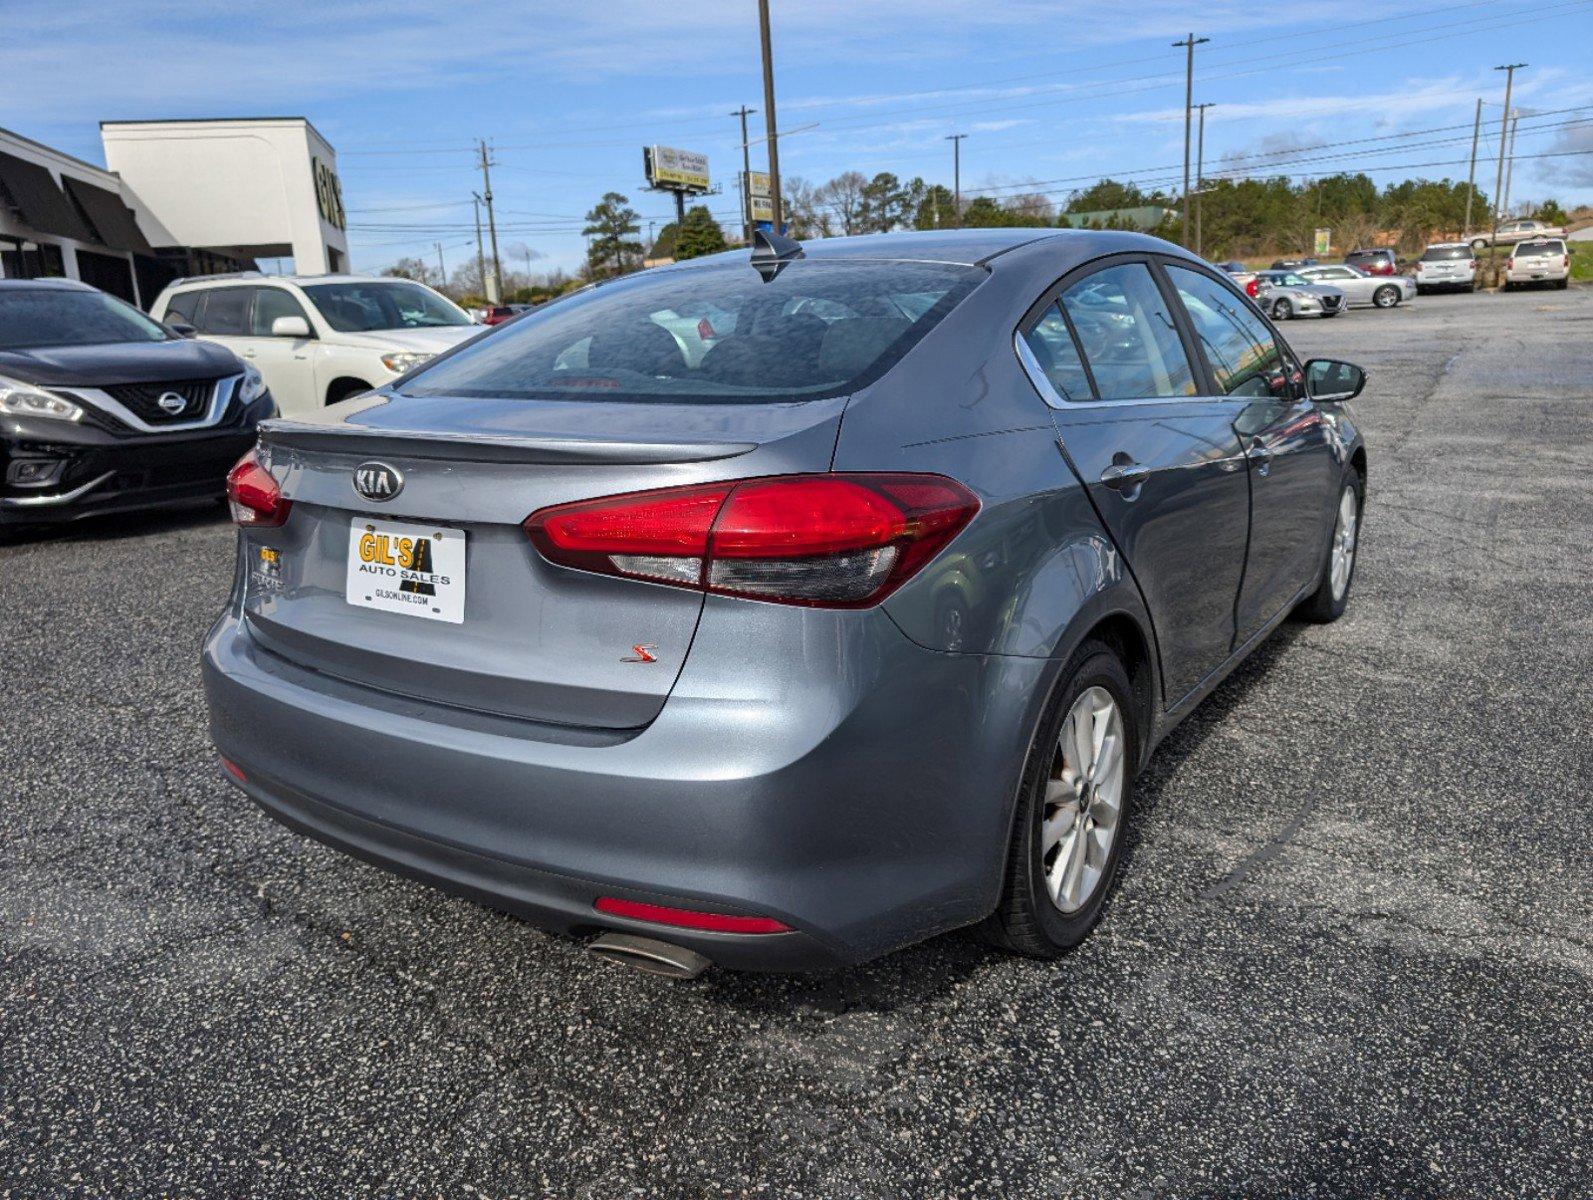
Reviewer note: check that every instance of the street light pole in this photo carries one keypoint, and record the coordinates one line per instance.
(1510, 70)
(1510, 166)
(769, 118)
(956, 178)
(492, 222)
(746, 175)
(1189, 97)
(481, 258)
(1200, 169)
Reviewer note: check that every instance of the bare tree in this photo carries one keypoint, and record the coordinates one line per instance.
(842, 202)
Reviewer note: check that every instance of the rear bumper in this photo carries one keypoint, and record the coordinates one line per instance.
(852, 785)
(92, 472)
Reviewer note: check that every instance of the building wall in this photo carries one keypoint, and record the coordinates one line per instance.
(236, 186)
(60, 166)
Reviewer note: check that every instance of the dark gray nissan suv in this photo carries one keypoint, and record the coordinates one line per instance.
(781, 612)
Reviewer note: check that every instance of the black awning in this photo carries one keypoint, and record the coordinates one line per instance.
(112, 219)
(43, 205)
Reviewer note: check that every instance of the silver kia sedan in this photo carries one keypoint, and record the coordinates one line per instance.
(1360, 289)
(854, 628)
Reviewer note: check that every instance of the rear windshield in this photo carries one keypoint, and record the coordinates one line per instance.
(1446, 253)
(47, 316)
(715, 332)
(1540, 247)
(1366, 255)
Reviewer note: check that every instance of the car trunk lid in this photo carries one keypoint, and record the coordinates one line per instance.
(532, 640)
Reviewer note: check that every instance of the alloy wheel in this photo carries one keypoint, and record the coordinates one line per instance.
(1342, 560)
(1083, 800)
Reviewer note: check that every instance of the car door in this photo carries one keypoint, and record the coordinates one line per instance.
(223, 318)
(1286, 444)
(285, 362)
(1162, 465)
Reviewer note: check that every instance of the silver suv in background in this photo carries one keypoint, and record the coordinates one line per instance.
(1446, 265)
(1543, 260)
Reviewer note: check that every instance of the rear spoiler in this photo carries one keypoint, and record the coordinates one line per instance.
(454, 447)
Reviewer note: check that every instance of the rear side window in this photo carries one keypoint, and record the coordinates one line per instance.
(1446, 253)
(714, 332)
(1128, 335)
(1242, 352)
(226, 311)
(185, 306)
(1051, 343)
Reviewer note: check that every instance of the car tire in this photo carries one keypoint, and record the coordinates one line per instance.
(1282, 310)
(1562, 284)
(1028, 920)
(1386, 296)
(1479, 243)
(1332, 595)
(1470, 288)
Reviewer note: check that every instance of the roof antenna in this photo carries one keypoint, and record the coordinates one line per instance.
(772, 252)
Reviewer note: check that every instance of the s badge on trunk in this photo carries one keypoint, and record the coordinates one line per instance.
(377, 481)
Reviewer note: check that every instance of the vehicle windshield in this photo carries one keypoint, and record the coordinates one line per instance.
(1446, 253)
(712, 332)
(374, 305)
(49, 316)
(1525, 248)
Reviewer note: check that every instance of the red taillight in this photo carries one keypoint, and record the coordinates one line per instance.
(1473, 264)
(255, 497)
(688, 918)
(233, 769)
(839, 541)
(1253, 288)
(705, 331)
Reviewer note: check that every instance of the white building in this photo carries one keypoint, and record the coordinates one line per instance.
(179, 198)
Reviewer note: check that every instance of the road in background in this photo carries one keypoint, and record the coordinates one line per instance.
(1351, 955)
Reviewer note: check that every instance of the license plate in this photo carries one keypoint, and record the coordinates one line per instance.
(418, 570)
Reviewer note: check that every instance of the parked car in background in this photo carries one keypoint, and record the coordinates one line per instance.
(1378, 261)
(318, 339)
(1285, 294)
(497, 314)
(1290, 264)
(104, 410)
(1446, 266)
(694, 670)
(1511, 232)
(1361, 289)
(1243, 277)
(1542, 260)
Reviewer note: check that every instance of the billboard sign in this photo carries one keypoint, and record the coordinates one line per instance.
(758, 183)
(676, 170)
(1324, 239)
(762, 207)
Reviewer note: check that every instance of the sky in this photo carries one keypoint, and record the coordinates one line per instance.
(1051, 95)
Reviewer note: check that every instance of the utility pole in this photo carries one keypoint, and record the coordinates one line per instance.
(768, 117)
(442, 271)
(481, 259)
(1510, 70)
(1471, 173)
(746, 174)
(1510, 166)
(493, 295)
(1188, 43)
(1200, 169)
(956, 178)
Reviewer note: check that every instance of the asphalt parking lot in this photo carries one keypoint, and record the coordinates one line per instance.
(1351, 956)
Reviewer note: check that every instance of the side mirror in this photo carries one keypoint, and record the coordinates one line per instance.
(1328, 380)
(290, 327)
(182, 329)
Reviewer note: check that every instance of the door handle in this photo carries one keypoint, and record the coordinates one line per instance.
(1261, 455)
(1124, 475)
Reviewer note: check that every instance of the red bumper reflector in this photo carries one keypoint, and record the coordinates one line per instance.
(685, 918)
(233, 769)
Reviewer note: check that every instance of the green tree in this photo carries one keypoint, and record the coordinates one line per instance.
(612, 225)
(936, 208)
(664, 244)
(1551, 212)
(699, 234)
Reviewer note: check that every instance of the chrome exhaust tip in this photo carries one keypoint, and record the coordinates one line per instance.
(649, 955)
